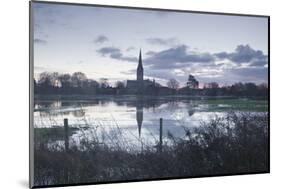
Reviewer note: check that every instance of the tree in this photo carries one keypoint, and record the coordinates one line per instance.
(93, 84)
(212, 89)
(192, 83)
(65, 80)
(104, 83)
(173, 84)
(120, 85)
(78, 79)
(45, 79)
(250, 89)
(212, 85)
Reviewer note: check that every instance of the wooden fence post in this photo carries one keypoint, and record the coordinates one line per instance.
(66, 143)
(66, 139)
(160, 135)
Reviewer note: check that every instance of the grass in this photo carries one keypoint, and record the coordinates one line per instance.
(237, 104)
(52, 133)
(236, 143)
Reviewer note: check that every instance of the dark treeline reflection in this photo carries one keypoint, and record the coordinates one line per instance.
(235, 143)
(78, 84)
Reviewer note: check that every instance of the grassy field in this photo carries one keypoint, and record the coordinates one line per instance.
(237, 105)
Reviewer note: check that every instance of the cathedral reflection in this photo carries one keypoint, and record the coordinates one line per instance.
(139, 115)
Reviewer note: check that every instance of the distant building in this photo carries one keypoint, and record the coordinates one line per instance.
(192, 82)
(138, 86)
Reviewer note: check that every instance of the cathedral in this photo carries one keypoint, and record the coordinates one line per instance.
(138, 85)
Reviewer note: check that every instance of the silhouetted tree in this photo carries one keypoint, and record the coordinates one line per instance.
(78, 79)
(212, 85)
(104, 83)
(173, 84)
(45, 79)
(65, 80)
(78, 83)
(120, 85)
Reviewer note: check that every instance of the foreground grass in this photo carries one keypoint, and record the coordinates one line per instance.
(237, 143)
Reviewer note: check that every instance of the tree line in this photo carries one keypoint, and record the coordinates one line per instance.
(79, 83)
(76, 83)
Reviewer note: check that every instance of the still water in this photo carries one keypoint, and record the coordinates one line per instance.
(133, 121)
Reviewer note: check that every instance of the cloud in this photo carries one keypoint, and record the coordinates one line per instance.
(130, 48)
(164, 42)
(222, 55)
(180, 61)
(101, 39)
(150, 53)
(115, 53)
(176, 57)
(260, 62)
(256, 75)
(40, 41)
(245, 54)
(129, 72)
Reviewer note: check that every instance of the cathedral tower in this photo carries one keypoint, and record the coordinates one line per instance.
(140, 69)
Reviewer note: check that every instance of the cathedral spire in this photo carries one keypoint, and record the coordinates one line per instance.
(140, 60)
(140, 69)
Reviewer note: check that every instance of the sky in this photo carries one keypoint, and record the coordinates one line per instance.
(105, 42)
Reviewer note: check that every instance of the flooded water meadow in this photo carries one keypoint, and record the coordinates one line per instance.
(134, 119)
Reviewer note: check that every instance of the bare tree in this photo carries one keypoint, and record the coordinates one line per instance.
(173, 84)
(212, 85)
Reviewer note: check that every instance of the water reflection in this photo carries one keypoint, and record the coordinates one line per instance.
(134, 116)
(139, 115)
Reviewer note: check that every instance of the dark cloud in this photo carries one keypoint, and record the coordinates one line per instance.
(108, 51)
(150, 53)
(115, 53)
(177, 57)
(260, 62)
(222, 55)
(101, 39)
(40, 41)
(161, 41)
(244, 54)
